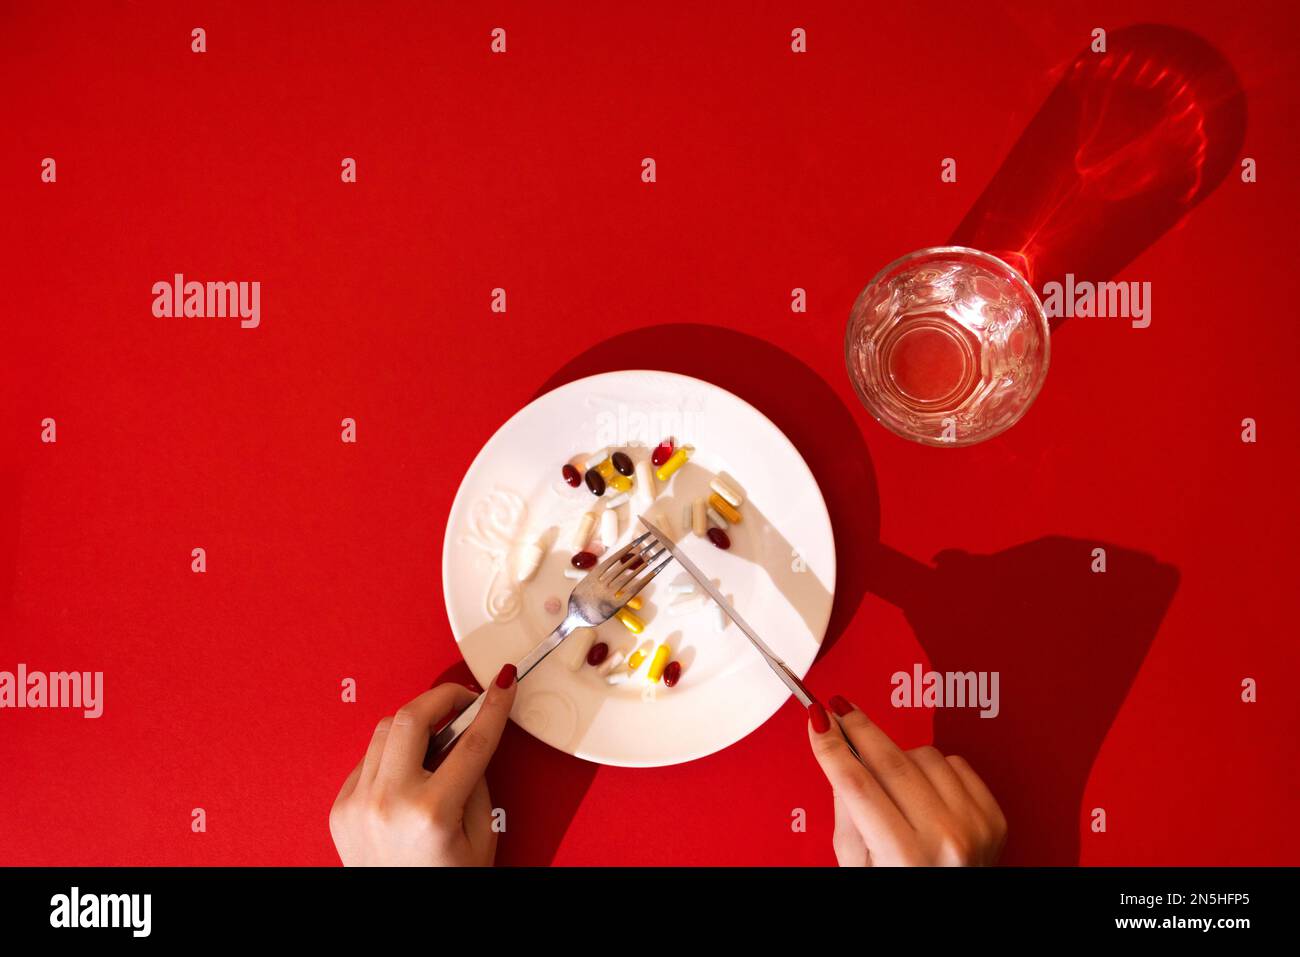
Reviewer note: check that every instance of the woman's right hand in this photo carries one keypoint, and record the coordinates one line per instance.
(903, 808)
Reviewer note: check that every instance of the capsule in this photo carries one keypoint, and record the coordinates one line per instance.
(634, 660)
(617, 500)
(645, 483)
(724, 508)
(662, 453)
(610, 663)
(720, 618)
(658, 663)
(571, 475)
(606, 469)
(575, 574)
(635, 602)
(675, 461)
(717, 519)
(673, 673)
(718, 537)
(699, 517)
(583, 560)
(619, 483)
(622, 463)
(583, 532)
(630, 621)
(728, 491)
(595, 482)
(529, 560)
(596, 459)
(597, 653)
(608, 527)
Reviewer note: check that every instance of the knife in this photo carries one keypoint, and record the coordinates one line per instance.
(776, 664)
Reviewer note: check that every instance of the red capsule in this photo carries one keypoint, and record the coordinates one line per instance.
(583, 560)
(673, 673)
(597, 654)
(662, 453)
(571, 475)
(595, 482)
(622, 463)
(718, 537)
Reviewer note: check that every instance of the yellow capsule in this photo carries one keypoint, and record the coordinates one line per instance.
(607, 470)
(619, 483)
(634, 660)
(658, 663)
(723, 508)
(635, 602)
(630, 621)
(676, 461)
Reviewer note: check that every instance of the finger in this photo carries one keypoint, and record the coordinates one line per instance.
(375, 750)
(882, 826)
(850, 849)
(902, 780)
(408, 738)
(942, 778)
(478, 821)
(464, 765)
(350, 783)
(981, 795)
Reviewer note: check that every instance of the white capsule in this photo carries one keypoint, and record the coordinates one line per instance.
(687, 521)
(619, 677)
(645, 480)
(616, 501)
(608, 528)
(612, 661)
(728, 492)
(682, 588)
(699, 517)
(528, 561)
(720, 618)
(717, 519)
(575, 574)
(582, 532)
(596, 459)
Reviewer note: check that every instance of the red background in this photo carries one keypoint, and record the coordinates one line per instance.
(775, 170)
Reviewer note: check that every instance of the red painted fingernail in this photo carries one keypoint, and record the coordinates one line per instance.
(840, 706)
(817, 715)
(507, 676)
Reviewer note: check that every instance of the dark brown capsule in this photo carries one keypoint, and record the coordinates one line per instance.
(622, 463)
(595, 482)
(571, 475)
(718, 537)
(597, 654)
(673, 673)
(583, 560)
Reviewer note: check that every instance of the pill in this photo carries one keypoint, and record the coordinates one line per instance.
(595, 482)
(673, 673)
(610, 663)
(729, 492)
(658, 663)
(620, 483)
(682, 588)
(575, 574)
(596, 459)
(622, 463)
(583, 531)
(724, 508)
(630, 621)
(634, 660)
(608, 527)
(606, 469)
(619, 678)
(617, 500)
(583, 560)
(528, 561)
(718, 537)
(571, 475)
(597, 653)
(717, 519)
(719, 617)
(645, 480)
(635, 602)
(699, 517)
(662, 453)
(675, 461)
(552, 605)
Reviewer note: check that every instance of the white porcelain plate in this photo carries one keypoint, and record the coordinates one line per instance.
(779, 572)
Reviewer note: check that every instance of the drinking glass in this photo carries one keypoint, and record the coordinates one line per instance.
(947, 346)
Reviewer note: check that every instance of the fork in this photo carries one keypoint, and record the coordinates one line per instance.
(606, 589)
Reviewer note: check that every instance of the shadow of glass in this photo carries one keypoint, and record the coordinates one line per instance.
(1124, 146)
